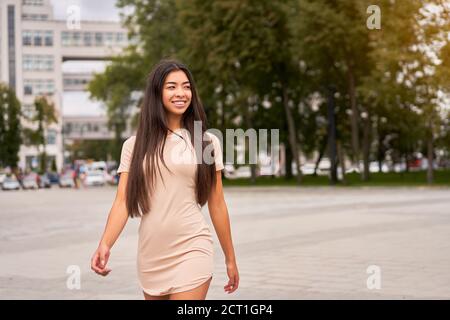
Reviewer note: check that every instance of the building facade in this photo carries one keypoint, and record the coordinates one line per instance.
(33, 48)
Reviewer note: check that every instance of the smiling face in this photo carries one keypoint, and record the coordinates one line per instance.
(176, 93)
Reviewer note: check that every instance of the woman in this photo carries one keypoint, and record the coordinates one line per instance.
(175, 248)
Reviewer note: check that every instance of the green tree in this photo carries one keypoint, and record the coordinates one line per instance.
(241, 57)
(337, 49)
(154, 35)
(410, 74)
(44, 115)
(10, 127)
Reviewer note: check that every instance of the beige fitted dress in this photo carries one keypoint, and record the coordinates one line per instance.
(175, 246)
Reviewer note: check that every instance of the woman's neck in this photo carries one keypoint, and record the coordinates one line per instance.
(173, 122)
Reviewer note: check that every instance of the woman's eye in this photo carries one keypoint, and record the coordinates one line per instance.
(171, 87)
(187, 88)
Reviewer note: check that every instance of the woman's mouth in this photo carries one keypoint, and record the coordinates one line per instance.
(179, 103)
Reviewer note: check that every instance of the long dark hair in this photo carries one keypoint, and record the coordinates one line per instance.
(151, 138)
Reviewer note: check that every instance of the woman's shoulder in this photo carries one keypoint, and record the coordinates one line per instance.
(129, 143)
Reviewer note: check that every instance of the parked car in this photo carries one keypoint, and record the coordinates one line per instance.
(53, 177)
(30, 181)
(240, 172)
(44, 181)
(66, 180)
(2, 177)
(95, 178)
(112, 178)
(308, 168)
(10, 183)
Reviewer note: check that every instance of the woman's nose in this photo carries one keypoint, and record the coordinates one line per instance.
(179, 92)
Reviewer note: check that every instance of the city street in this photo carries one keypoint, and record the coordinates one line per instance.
(291, 243)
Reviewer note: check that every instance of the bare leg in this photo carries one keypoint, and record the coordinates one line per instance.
(149, 297)
(198, 293)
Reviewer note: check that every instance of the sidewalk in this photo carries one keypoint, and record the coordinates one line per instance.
(291, 243)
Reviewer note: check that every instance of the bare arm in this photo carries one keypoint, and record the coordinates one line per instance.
(117, 219)
(221, 221)
(118, 215)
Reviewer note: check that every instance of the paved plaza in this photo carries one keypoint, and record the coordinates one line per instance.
(291, 243)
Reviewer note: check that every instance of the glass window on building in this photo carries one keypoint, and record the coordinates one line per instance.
(65, 39)
(27, 88)
(48, 64)
(51, 136)
(38, 87)
(68, 128)
(37, 62)
(109, 37)
(50, 87)
(31, 162)
(120, 37)
(33, 2)
(35, 17)
(76, 37)
(98, 39)
(48, 36)
(87, 39)
(28, 110)
(27, 62)
(37, 38)
(26, 38)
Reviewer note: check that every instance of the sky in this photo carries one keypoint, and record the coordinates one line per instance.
(89, 9)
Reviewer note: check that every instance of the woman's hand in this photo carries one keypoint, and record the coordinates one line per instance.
(233, 275)
(100, 259)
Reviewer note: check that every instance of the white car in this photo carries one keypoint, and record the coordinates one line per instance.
(30, 181)
(308, 168)
(66, 180)
(10, 183)
(2, 177)
(95, 178)
(242, 172)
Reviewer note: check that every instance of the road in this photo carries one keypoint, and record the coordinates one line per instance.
(291, 243)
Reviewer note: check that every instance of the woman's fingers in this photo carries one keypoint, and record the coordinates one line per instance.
(105, 272)
(98, 264)
(94, 262)
(233, 284)
(102, 261)
(236, 282)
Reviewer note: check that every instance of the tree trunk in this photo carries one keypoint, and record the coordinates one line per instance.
(355, 115)
(322, 149)
(407, 162)
(292, 133)
(341, 160)
(380, 152)
(430, 158)
(366, 148)
(248, 123)
(332, 152)
(288, 161)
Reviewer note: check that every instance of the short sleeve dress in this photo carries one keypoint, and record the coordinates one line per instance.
(175, 246)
